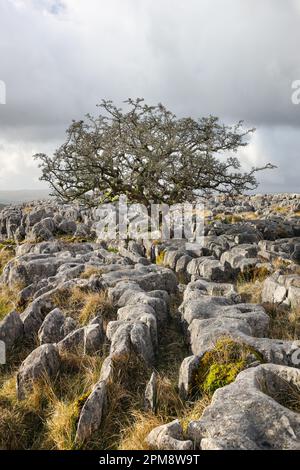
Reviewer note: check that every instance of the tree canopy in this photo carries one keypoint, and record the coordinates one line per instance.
(149, 155)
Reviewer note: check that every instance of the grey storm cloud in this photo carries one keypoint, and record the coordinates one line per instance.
(234, 59)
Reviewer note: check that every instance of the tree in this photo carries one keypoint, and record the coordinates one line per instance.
(149, 155)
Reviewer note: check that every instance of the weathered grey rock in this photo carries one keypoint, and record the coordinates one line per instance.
(116, 292)
(160, 294)
(67, 227)
(294, 296)
(181, 266)
(203, 307)
(130, 337)
(142, 300)
(143, 314)
(69, 325)
(34, 315)
(42, 230)
(236, 257)
(119, 334)
(107, 370)
(169, 437)
(246, 238)
(92, 413)
(150, 399)
(282, 289)
(171, 257)
(11, 329)
(273, 292)
(147, 277)
(140, 337)
(43, 361)
(194, 266)
(73, 342)
(187, 368)
(51, 329)
(136, 247)
(195, 290)
(246, 416)
(134, 257)
(247, 326)
(35, 216)
(93, 338)
(296, 255)
(215, 271)
(28, 270)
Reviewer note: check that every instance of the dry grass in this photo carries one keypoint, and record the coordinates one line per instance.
(47, 418)
(250, 292)
(6, 254)
(69, 239)
(90, 271)
(281, 209)
(159, 260)
(284, 324)
(229, 218)
(170, 407)
(136, 424)
(289, 397)
(125, 396)
(134, 436)
(61, 426)
(9, 299)
(249, 216)
(195, 411)
(84, 305)
(250, 284)
(8, 295)
(286, 393)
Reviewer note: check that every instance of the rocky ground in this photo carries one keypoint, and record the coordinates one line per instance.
(151, 345)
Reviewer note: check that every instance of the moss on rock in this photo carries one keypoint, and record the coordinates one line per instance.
(221, 365)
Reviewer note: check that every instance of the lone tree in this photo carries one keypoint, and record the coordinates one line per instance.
(148, 154)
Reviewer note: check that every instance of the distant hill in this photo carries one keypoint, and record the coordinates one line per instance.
(24, 195)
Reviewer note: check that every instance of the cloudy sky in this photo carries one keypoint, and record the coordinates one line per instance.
(234, 59)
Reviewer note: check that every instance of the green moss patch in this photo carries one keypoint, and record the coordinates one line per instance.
(221, 365)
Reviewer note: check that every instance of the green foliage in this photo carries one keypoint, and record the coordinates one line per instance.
(221, 365)
(220, 375)
(148, 154)
(112, 249)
